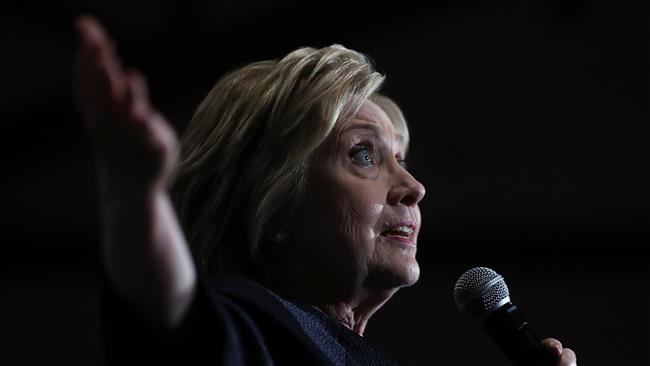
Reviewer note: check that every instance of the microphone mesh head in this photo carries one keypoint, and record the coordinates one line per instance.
(480, 283)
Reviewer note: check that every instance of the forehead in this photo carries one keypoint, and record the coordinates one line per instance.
(371, 117)
(371, 113)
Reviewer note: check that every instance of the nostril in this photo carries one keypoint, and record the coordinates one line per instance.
(415, 194)
(411, 200)
(407, 190)
(406, 195)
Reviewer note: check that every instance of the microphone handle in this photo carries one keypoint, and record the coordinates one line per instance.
(514, 335)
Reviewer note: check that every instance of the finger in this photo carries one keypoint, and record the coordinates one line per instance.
(80, 75)
(89, 94)
(111, 75)
(568, 358)
(553, 345)
(138, 107)
(98, 50)
(92, 33)
(83, 69)
(93, 36)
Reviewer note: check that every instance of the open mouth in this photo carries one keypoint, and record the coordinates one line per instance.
(403, 232)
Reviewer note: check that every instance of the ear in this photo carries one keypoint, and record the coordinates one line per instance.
(277, 230)
(281, 236)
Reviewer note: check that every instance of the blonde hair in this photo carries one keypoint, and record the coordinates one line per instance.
(246, 150)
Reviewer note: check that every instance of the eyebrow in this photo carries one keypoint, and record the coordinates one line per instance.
(368, 125)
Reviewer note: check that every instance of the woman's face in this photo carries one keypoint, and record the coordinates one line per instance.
(359, 221)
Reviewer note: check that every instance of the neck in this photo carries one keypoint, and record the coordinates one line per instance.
(351, 305)
(355, 314)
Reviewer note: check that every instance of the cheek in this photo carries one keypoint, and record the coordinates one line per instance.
(360, 214)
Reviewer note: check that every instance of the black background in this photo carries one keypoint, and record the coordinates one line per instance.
(529, 123)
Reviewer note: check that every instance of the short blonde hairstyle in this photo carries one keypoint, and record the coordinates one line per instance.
(246, 151)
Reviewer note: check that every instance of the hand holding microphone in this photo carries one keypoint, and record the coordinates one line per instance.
(483, 293)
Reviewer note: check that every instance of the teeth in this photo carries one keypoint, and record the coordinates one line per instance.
(405, 229)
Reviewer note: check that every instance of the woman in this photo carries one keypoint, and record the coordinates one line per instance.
(291, 188)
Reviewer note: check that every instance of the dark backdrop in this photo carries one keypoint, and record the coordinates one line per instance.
(529, 128)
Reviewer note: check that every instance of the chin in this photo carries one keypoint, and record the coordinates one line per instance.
(411, 274)
(396, 276)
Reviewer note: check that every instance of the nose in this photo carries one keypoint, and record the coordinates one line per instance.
(406, 190)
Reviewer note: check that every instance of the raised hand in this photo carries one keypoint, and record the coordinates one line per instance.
(136, 148)
(144, 251)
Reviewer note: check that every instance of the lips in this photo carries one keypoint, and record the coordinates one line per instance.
(402, 231)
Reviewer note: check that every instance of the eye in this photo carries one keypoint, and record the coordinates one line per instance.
(402, 163)
(362, 155)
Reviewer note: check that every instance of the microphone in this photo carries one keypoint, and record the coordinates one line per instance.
(484, 295)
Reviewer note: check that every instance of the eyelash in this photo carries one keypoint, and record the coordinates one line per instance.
(368, 147)
(363, 147)
(403, 163)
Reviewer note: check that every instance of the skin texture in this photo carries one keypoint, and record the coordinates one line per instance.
(336, 259)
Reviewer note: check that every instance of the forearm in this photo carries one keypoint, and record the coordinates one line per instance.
(146, 256)
(144, 252)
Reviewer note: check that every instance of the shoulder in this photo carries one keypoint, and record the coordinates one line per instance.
(254, 317)
(298, 325)
(231, 321)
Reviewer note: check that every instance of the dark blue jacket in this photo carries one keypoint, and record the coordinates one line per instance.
(232, 321)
